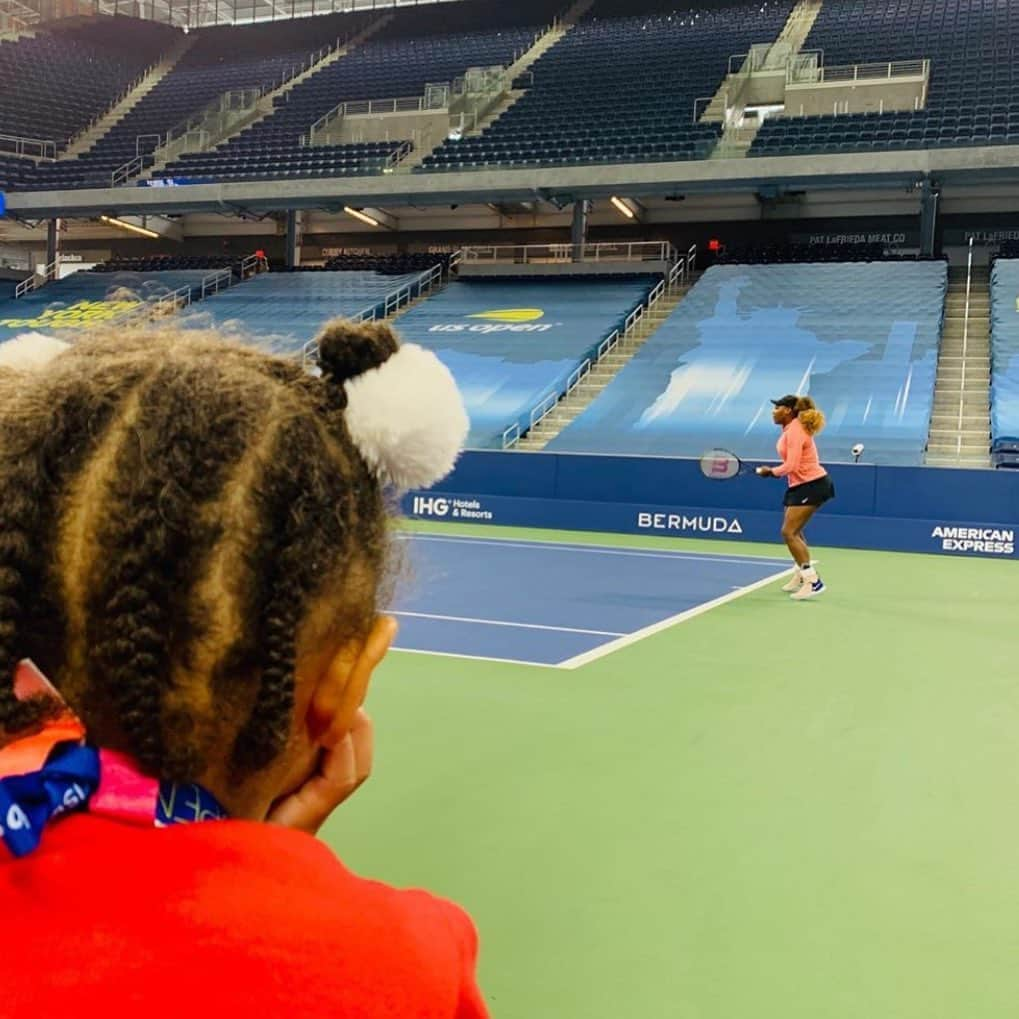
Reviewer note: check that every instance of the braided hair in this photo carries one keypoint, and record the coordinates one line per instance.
(172, 510)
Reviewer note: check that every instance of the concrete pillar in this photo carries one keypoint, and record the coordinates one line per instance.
(578, 234)
(52, 241)
(293, 239)
(929, 197)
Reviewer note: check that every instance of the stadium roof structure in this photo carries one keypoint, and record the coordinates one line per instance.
(203, 13)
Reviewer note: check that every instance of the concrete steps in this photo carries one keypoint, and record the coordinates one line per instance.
(798, 25)
(522, 64)
(736, 140)
(116, 113)
(960, 428)
(602, 372)
(266, 106)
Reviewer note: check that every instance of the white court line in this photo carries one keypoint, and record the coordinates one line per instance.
(505, 622)
(474, 658)
(558, 546)
(698, 610)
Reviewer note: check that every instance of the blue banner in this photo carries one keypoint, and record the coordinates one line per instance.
(907, 509)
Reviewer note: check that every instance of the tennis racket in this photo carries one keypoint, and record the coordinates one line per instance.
(721, 465)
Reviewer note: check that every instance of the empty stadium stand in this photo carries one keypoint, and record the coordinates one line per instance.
(222, 58)
(1005, 362)
(391, 265)
(16, 174)
(861, 338)
(767, 254)
(54, 83)
(621, 86)
(972, 98)
(418, 46)
(172, 263)
(85, 299)
(282, 312)
(512, 343)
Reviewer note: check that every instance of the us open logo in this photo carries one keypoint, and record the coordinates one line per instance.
(500, 320)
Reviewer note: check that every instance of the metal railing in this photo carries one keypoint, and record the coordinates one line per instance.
(490, 82)
(30, 148)
(310, 61)
(677, 276)
(139, 139)
(821, 75)
(389, 305)
(965, 350)
(701, 104)
(360, 108)
(222, 279)
(216, 281)
(128, 170)
(38, 278)
(159, 307)
(552, 254)
(253, 265)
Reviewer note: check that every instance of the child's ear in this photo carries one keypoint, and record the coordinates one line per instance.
(343, 685)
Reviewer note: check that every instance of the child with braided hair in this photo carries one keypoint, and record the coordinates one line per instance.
(193, 556)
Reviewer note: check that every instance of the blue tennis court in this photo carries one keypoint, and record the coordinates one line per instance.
(555, 604)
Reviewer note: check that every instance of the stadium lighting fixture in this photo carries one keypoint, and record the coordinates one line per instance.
(362, 216)
(623, 207)
(124, 225)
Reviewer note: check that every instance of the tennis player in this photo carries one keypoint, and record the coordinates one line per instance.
(810, 487)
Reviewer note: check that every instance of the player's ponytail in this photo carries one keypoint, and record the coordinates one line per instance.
(809, 416)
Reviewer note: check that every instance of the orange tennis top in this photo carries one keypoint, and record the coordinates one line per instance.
(800, 462)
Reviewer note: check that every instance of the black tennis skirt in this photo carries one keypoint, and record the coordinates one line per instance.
(813, 493)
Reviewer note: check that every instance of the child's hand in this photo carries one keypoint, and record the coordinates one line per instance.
(342, 770)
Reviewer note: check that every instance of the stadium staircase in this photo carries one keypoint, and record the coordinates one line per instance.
(727, 105)
(266, 105)
(17, 20)
(607, 367)
(559, 28)
(100, 127)
(960, 432)
(439, 281)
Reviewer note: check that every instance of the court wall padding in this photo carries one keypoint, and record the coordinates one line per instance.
(902, 509)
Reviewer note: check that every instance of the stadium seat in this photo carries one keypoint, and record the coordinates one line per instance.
(971, 46)
(283, 311)
(510, 344)
(90, 298)
(1005, 356)
(860, 337)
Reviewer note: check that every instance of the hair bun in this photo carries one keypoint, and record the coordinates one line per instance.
(347, 349)
(407, 418)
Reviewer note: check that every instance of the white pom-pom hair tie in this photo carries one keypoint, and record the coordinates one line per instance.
(28, 351)
(407, 418)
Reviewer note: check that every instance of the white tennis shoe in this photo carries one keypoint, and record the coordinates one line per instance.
(809, 589)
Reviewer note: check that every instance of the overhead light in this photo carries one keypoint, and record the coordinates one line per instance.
(623, 207)
(124, 225)
(362, 216)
